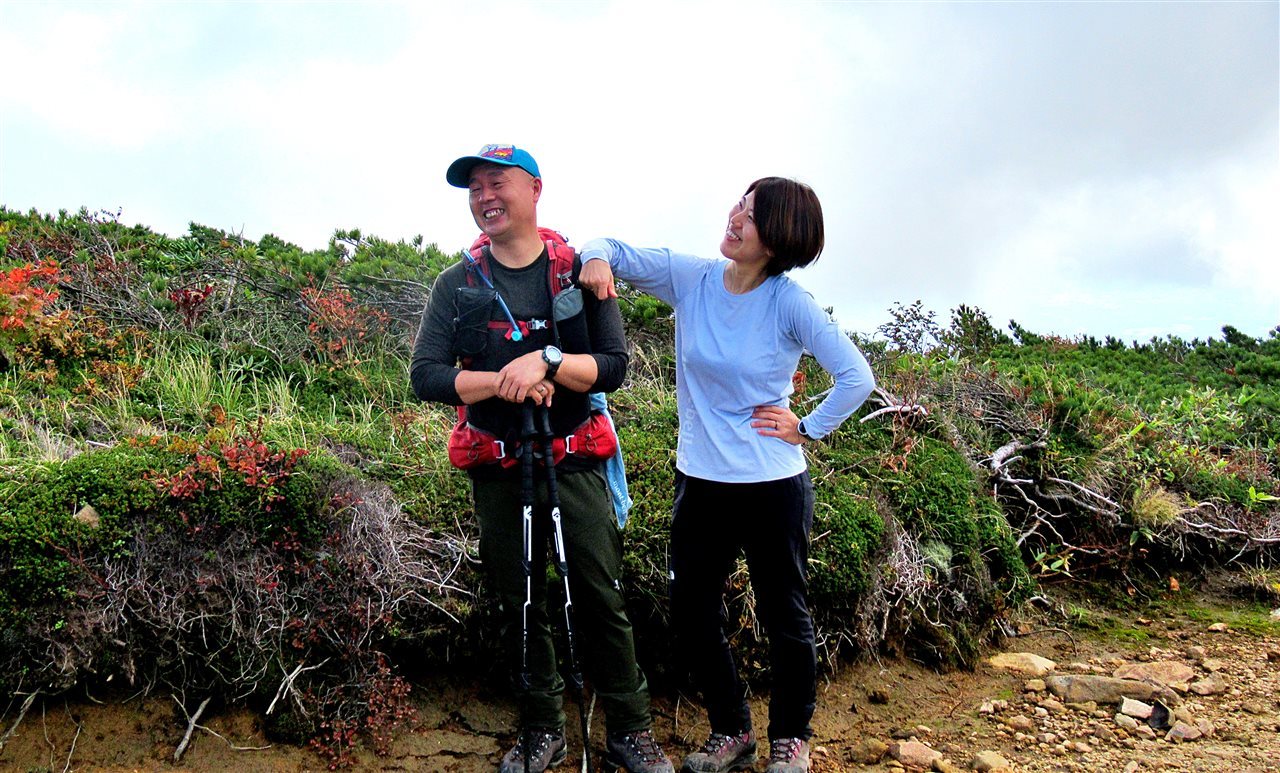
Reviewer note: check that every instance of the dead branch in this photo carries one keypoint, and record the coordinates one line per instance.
(31, 697)
(192, 719)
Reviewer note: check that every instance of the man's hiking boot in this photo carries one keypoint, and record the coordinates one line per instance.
(546, 750)
(637, 752)
(788, 755)
(723, 753)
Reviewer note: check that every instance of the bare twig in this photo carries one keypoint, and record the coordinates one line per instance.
(26, 704)
(192, 719)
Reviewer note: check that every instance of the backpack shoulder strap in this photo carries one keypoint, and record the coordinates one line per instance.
(560, 255)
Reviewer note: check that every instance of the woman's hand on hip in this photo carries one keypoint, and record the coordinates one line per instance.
(597, 277)
(777, 421)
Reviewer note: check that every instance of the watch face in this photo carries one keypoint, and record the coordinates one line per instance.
(552, 355)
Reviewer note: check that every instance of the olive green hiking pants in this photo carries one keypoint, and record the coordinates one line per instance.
(593, 547)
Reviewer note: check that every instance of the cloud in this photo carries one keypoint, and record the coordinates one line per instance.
(1042, 161)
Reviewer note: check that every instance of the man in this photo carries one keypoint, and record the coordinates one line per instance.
(491, 339)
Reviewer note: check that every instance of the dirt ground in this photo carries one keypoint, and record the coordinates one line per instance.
(462, 727)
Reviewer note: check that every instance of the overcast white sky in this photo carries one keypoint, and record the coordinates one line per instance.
(1100, 168)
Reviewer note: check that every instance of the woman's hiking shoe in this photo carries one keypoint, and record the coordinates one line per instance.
(723, 753)
(637, 752)
(788, 755)
(546, 750)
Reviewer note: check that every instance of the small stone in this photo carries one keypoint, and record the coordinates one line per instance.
(878, 696)
(88, 516)
(1131, 767)
(1181, 731)
(1034, 685)
(1167, 672)
(1086, 707)
(943, 765)
(1021, 723)
(1104, 734)
(1273, 655)
(870, 751)
(1041, 712)
(1049, 704)
(987, 708)
(1027, 663)
(1132, 708)
(1212, 685)
(989, 761)
(1194, 652)
(914, 754)
(1079, 747)
(1127, 722)
(1219, 628)
(1211, 664)
(923, 730)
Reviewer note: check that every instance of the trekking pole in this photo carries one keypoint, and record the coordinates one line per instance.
(562, 568)
(527, 435)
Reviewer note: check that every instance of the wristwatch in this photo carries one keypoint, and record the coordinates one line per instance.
(552, 357)
(804, 433)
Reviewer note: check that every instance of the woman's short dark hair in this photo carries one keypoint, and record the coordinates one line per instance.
(788, 218)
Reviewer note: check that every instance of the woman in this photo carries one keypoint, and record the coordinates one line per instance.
(741, 480)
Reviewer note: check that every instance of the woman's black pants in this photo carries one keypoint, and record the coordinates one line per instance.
(769, 522)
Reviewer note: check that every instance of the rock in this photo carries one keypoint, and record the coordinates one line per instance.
(1181, 731)
(1219, 628)
(1049, 704)
(1273, 655)
(1103, 734)
(1022, 663)
(1211, 664)
(1079, 747)
(1161, 716)
(1131, 708)
(879, 696)
(914, 754)
(88, 516)
(1131, 767)
(1034, 685)
(1086, 707)
(987, 708)
(1127, 722)
(1194, 652)
(989, 761)
(1021, 723)
(1079, 688)
(943, 765)
(870, 751)
(1212, 685)
(1168, 672)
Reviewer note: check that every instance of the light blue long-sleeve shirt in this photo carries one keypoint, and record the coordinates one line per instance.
(737, 352)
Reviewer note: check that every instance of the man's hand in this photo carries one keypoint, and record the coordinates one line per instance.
(524, 378)
(597, 277)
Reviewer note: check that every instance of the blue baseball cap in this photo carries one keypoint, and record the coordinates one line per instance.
(459, 174)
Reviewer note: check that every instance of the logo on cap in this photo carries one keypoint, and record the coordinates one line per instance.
(503, 152)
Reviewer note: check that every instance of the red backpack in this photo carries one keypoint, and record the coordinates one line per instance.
(470, 446)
